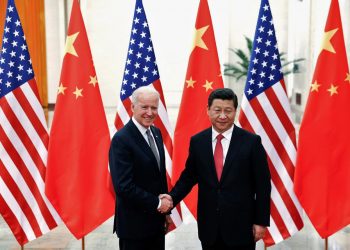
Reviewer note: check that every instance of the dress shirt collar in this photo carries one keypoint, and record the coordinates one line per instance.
(227, 134)
(141, 128)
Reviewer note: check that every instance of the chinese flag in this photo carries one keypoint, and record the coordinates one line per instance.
(77, 177)
(203, 75)
(323, 160)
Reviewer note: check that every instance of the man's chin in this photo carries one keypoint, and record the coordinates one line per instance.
(222, 128)
(147, 124)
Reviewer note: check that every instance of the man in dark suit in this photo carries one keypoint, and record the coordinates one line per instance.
(230, 166)
(137, 165)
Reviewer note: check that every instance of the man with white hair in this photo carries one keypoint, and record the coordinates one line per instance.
(137, 164)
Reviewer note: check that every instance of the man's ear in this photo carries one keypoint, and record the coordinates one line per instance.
(132, 107)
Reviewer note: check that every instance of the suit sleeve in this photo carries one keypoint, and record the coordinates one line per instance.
(187, 180)
(262, 181)
(122, 175)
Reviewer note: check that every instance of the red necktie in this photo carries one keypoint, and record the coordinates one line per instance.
(219, 156)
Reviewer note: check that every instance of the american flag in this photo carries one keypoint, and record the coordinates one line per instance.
(141, 70)
(23, 139)
(265, 110)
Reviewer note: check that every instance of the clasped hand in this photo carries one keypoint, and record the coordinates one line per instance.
(258, 232)
(166, 203)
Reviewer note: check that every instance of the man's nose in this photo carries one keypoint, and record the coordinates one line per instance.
(222, 115)
(149, 111)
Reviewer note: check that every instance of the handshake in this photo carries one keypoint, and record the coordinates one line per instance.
(166, 203)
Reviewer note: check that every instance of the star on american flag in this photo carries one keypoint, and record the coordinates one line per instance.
(15, 64)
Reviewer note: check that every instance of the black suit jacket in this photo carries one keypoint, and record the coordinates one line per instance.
(137, 182)
(241, 198)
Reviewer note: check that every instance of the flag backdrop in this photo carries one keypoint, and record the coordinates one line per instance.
(23, 139)
(323, 163)
(203, 76)
(265, 110)
(77, 176)
(141, 70)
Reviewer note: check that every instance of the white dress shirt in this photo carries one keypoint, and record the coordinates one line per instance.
(225, 141)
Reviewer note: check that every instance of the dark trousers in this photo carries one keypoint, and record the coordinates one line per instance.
(153, 243)
(220, 245)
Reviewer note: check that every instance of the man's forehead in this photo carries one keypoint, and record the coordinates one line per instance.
(222, 102)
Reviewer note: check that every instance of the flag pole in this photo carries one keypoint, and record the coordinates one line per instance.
(326, 243)
(22, 247)
(83, 243)
(265, 247)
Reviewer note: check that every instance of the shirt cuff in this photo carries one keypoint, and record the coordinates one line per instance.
(160, 203)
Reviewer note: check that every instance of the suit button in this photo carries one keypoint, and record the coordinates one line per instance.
(217, 209)
(219, 190)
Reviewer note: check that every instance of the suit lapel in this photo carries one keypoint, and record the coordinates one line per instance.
(140, 140)
(208, 153)
(231, 152)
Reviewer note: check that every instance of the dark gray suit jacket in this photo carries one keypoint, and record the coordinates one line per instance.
(137, 182)
(227, 208)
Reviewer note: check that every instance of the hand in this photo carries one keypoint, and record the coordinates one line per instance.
(168, 222)
(166, 203)
(258, 232)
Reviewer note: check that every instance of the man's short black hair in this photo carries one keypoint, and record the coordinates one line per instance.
(223, 94)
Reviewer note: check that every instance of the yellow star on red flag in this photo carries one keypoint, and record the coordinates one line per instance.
(78, 92)
(190, 83)
(93, 80)
(327, 36)
(198, 40)
(61, 89)
(333, 90)
(70, 44)
(347, 77)
(208, 85)
(315, 86)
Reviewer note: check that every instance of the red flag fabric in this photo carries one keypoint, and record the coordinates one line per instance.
(323, 160)
(265, 110)
(141, 70)
(77, 180)
(203, 76)
(23, 139)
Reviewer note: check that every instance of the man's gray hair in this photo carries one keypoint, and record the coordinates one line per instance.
(143, 90)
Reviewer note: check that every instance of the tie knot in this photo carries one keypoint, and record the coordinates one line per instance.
(148, 132)
(219, 137)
